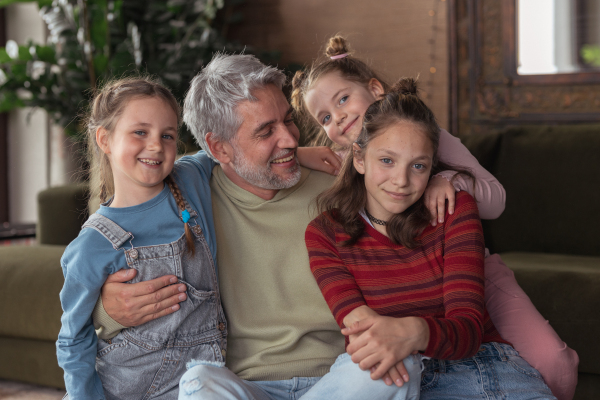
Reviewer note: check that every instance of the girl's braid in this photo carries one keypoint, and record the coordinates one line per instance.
(181, 205)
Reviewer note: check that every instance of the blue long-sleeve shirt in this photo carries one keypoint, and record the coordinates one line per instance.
(90, 258)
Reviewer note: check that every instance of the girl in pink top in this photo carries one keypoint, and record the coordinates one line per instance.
(331, 98)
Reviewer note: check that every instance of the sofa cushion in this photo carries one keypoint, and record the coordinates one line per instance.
(30, 283)
(552, 180)
(32, 361)
(62, 210)
(564, 288)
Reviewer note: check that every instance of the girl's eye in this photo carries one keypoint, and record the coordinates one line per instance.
(140, 133)
(386, 160)
(343, 99)
(420, 166)
(168, 136)
(289, 121)
(325, 119)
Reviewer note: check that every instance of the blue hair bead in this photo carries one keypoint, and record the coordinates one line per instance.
(185, 215)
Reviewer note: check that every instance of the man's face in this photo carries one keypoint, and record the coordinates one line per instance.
(264, 147)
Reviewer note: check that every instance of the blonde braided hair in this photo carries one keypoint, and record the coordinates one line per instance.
(181, 205)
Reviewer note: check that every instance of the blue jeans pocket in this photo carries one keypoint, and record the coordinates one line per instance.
(106, 346)
(523, 367)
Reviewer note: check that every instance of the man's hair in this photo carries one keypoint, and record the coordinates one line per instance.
(214, 94)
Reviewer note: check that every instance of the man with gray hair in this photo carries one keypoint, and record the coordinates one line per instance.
(282, 335)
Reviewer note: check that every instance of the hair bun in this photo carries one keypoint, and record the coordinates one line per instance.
(405, 86)
(336, 45)
(297, 83)
(298, 78)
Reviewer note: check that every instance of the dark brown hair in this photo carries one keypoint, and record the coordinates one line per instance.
(108, 105)
(349, 67)
(348, 195)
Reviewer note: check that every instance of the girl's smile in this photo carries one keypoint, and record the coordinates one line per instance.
(141, 149)
(339, 104)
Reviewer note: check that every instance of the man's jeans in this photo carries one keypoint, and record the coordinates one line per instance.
(345, 381)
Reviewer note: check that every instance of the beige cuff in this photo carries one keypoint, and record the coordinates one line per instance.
(106, 327)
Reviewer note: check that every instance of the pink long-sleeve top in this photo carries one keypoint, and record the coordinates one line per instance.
(489, 193)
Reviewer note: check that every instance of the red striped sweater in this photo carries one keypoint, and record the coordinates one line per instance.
(440, 281)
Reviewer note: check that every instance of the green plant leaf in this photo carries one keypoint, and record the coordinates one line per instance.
(591, 54)
(45, 53)
(24, 54)
(100, 64)
(41, 3)
(9, 101)
(4, 57)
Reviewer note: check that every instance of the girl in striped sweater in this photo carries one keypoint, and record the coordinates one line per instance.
(331, 98)
(400, 287)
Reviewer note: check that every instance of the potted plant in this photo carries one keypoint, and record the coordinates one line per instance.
(91, 41)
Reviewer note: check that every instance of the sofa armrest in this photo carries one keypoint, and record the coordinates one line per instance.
(61, 212)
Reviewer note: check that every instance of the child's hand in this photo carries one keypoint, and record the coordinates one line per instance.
(356, 315)
(320, 158)
(383, 342)
(397, 375)
(437, 191)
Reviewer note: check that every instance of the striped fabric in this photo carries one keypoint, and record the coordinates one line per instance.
(440, 281)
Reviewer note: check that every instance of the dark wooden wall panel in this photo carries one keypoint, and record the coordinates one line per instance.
(396, 37)
(486, 91)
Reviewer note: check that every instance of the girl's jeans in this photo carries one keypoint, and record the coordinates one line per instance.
(345, 381)
(495, 372)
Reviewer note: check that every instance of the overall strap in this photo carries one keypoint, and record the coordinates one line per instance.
(109, 229)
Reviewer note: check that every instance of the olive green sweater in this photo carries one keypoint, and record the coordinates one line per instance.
(279, 324)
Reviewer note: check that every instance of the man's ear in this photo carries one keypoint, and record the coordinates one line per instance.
(222, 151)
(357, 159)
(102, 140)
(376, 88)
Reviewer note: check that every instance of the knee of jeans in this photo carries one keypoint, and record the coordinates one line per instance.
(197, 377)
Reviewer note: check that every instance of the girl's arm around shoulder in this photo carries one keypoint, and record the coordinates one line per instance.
(490, 194)
(188, 167)
(320, 158)
(335, 280)
(458, 334)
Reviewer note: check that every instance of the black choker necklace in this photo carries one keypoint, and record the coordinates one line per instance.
(373, 219)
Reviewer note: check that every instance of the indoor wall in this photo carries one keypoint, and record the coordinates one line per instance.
(397, 38)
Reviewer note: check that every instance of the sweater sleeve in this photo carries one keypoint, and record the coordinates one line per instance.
(84, 273)
(336, 282)
(490, 194)
(460, 332)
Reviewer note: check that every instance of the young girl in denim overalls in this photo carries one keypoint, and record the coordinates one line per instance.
(152, 222)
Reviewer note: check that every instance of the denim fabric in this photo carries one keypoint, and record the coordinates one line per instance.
(345, 381)
(146, 362)
(495, 372)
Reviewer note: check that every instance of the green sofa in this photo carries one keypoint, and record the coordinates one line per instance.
(546, 235)
(30, 282)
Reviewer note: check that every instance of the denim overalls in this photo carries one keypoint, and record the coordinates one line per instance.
(147, 361)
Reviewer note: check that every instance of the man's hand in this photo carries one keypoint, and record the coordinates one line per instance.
(437, 191)
(383, 342)
(137, 303)
(320, 158)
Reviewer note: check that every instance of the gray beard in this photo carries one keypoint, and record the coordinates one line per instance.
(263, 176)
